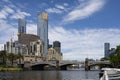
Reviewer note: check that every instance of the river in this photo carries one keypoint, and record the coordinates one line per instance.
(50, 75)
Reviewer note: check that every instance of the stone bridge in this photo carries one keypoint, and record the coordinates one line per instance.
(59, 65)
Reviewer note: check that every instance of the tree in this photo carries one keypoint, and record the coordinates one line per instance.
(19, 56)
(11, 57)
(3, 57)
(115, 58)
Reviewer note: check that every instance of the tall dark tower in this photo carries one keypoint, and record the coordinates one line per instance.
(57, 46)
(106, 49)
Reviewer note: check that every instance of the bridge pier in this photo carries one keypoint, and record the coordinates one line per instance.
(87, 68)
(57, 65)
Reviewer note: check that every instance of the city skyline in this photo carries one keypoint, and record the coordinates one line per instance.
(82, 26)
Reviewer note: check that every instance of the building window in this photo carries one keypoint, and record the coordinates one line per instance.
(35, 47)
(31, 49)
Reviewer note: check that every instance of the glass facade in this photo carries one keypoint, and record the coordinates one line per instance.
(42, 29)
(22, 26)
(106, 48)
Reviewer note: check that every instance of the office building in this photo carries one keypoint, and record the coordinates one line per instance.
(57, 46)
(21, 26)
(54, 52)
(106, 49)
(53, 55)
(42, 29)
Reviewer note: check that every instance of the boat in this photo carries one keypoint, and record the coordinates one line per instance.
(109, 74)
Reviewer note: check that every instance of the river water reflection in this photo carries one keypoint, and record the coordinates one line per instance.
(50, 75)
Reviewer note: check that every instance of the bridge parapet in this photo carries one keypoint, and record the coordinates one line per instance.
(98, 62)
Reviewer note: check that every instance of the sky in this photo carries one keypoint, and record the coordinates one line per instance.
(82, 26)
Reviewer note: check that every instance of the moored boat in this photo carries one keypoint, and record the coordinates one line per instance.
(110, 74)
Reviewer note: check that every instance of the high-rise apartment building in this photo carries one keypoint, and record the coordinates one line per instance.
(106, 49)
(21, 26)
(42, 29)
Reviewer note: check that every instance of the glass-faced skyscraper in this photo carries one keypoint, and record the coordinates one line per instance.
(106, 49)
(21, 26)
(42, 29)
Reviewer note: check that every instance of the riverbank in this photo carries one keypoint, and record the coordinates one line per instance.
(10, 69)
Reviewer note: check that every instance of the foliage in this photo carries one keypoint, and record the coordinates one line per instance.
(115, 58)
(3, 57)
(19, 56)
(11, 57)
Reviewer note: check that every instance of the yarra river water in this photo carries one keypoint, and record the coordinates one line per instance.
(50, 75)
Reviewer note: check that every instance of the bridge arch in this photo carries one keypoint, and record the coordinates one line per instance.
(41, 67)
(64, 67)
(38, 67)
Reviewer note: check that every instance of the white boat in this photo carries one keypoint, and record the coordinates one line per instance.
(110, 74)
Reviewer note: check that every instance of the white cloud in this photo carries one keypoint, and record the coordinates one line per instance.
(65, 4)
(32, 29)
(53, 10)
(5, 12)
(12, 11)
(59, 6)
(7, 31)
(84, 10)
(19, 14)
(79, 44)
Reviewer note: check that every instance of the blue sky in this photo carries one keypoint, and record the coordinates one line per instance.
(82, 26)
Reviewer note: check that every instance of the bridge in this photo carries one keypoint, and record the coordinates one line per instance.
(59, 65)
(63, 65)
(101, 64)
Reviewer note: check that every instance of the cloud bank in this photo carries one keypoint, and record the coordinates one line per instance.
(11, 11)
(84, 10)
(79, 44)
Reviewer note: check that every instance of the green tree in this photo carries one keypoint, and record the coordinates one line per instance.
(20, 57)
(115, 58)
(11, 57)
(3, 57)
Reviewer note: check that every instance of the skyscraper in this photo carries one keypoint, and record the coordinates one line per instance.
(21, 26)
(42, 29)
(106, 49)
(57, 46)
